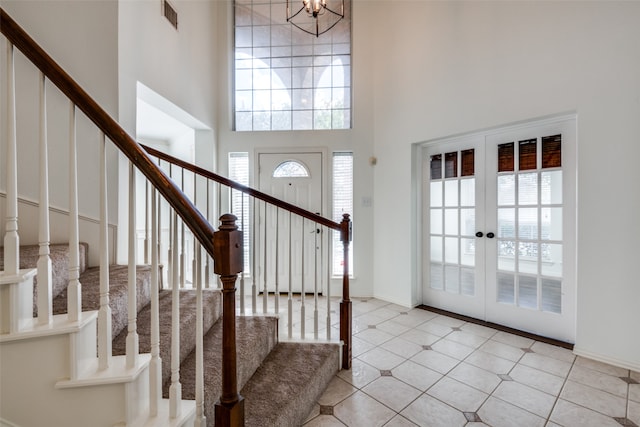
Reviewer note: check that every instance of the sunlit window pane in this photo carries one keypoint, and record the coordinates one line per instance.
(298, 72)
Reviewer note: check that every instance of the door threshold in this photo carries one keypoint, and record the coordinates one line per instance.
(498, 327)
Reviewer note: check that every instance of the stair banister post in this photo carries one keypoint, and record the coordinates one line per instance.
(345, 304)
(11, 238)
(228, 263)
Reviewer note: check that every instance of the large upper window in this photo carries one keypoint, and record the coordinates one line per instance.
(286, 79)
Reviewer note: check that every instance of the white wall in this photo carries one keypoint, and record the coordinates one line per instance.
(445, 68)
(177, 65)
(82, 37)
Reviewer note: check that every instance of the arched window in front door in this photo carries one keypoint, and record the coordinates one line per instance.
(291, 169)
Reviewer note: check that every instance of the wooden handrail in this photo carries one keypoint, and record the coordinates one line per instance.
(243, 188)
(138, 156)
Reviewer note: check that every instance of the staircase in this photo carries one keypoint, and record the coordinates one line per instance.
(107, 345)
(280, 382)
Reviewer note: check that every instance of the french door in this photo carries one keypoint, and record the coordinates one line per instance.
(499, 227)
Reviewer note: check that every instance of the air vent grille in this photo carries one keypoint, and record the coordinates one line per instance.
(170, 13)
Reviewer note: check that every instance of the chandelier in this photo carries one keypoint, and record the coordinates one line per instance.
(315, 16)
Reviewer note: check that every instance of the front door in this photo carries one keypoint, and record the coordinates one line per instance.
(499, 221)
(290, 246)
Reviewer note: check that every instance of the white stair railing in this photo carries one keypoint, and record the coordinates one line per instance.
(175, 390)
(45, 311)
(74, 296)
(132, 290)
(282, 259)
(155, 367)
(104, 313)
(92, 364)
(11, 238)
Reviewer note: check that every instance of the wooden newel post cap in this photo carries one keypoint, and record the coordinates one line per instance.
(346, 231)
(227, 247)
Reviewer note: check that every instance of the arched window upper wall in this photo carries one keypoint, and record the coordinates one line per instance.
(286, 79)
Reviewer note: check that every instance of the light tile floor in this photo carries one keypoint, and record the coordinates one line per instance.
(414, 367)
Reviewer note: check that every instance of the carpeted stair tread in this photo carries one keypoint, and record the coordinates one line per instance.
(59, 254)
(291, 379)
(211, 303)
(118, 285)
(255, 338)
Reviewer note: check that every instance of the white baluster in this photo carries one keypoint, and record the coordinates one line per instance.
(146, 222)
(242, 227)
(182, 245)
(315, 281)
(328, 292)
(132, 344)
(194, 272)
(277, 294)
(175, 390)
(11, 238)
(74, 298)
(171, 243)
(254, 270)
(264, 266)
(155, 366)
(302, 295)
(290, 300)
(207, 266)
(45, 312)
(104, 314)
(201, 420)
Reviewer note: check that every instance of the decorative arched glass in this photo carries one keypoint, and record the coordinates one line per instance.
(291, 169)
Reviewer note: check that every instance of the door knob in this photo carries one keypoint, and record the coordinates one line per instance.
(479, 234)
(491, 235)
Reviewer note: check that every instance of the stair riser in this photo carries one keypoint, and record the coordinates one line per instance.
(30, 370)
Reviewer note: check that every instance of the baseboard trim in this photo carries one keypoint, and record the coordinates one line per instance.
(498, 327)
(606, 359)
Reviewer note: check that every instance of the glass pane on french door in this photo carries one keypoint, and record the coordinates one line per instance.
(453, 275)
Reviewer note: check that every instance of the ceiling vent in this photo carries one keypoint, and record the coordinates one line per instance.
(170, 13)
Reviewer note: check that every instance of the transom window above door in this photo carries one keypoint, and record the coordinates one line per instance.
(286, 79)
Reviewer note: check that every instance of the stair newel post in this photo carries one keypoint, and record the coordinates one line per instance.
(228, 263)
(155, 366)
(74, 298)
(11, 238)
(345, 304)
(45, 312)
(132, 345)
(104, 314)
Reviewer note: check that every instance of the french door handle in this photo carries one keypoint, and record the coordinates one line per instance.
(479, 234)
(491, 235)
